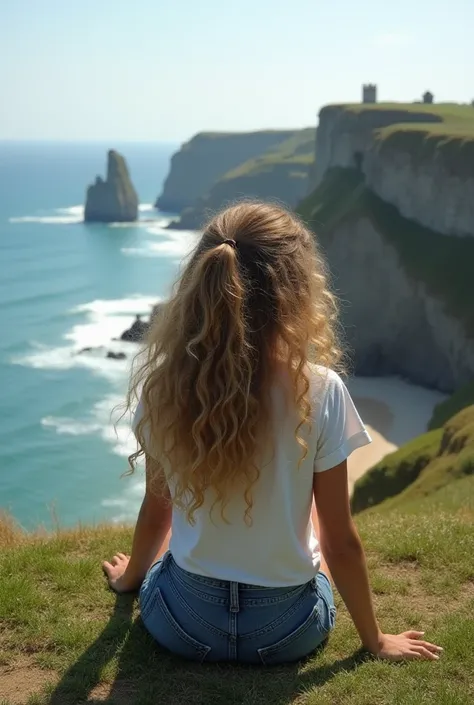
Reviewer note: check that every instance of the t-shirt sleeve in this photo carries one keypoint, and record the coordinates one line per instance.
(340, 427)
(145, 431)
(137, 416)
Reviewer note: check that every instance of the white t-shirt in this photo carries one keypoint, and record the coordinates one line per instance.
(280, 547)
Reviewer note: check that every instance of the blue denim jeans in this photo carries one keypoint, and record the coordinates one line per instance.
(204, 619)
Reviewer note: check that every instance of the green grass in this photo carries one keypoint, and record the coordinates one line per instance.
(278, 174)
(69, 640)
(444, 130)
(396, 471)
(453, 113)
(442, 263)
(297, 150)
(424, 466)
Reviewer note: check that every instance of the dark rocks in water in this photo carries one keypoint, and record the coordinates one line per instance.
(114, 200)
(110, 354)
(116, 355)
(139, 329)
(136, 332)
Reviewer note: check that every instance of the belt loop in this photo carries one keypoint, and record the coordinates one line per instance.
(234, 597)
(233, 626)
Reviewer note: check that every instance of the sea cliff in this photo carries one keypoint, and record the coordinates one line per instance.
(205, 158)
(392, 208)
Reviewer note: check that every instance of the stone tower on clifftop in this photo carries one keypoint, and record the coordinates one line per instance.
(369, 93)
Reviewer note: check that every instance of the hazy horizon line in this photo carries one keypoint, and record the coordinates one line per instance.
(82, 140)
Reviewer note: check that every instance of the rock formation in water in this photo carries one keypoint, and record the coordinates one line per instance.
(139, 328)
(116, 355)
(207, 157)
(393, 211)
(136, 332)
(115, 199)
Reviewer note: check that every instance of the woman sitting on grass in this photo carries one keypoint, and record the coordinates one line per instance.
(243, 421)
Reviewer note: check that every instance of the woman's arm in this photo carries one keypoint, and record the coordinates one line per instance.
(344, 554)
(153, 525)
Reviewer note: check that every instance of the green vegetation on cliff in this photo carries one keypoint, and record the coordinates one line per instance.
(65, 639)
(297, 150)
(206, 157)
(423, 466)
(278, 174)
(451, 140)
(442, 263)
(448, 132)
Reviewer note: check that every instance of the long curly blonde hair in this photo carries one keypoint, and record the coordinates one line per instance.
(253, 293)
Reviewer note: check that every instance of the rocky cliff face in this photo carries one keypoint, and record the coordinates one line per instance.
(416, 158)
(393, 204)
(207, 157)
(115, 199)
(279, 174)
(424, 187)
(346, 133)
(394, 325)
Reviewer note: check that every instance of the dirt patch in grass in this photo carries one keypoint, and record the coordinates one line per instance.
(117, 693)
(419, 597)
(22, 679)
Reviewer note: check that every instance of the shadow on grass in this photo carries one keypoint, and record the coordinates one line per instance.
(149, 675)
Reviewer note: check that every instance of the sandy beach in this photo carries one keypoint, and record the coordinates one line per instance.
(394, 412)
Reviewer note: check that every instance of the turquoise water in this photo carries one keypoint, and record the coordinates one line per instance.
(64, 286)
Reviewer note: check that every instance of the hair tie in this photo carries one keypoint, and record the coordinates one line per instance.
(232, 243)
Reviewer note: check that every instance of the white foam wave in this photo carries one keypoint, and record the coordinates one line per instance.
(113, 307)
(75, 214)
(105, 319)
(178, 243)
(42, 357)
(72, 210)
(48, 220)
(105, 420)
(60, 216)
(70, 427)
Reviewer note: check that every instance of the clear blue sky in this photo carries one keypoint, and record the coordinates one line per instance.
(155, 70)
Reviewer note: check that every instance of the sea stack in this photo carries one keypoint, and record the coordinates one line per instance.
(115, 199)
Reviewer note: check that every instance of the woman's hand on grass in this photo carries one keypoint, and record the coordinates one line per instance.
(406, 646)
(115, 570)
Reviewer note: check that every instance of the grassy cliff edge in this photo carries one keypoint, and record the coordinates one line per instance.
(65, 639)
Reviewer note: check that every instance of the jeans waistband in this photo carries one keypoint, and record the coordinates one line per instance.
(202, 581)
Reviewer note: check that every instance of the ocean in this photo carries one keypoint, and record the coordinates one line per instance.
(65, 286)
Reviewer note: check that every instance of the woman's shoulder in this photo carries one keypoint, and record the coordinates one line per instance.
(324, 379)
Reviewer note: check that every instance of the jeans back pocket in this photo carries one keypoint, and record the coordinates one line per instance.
(165, 629)
(298, 643)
